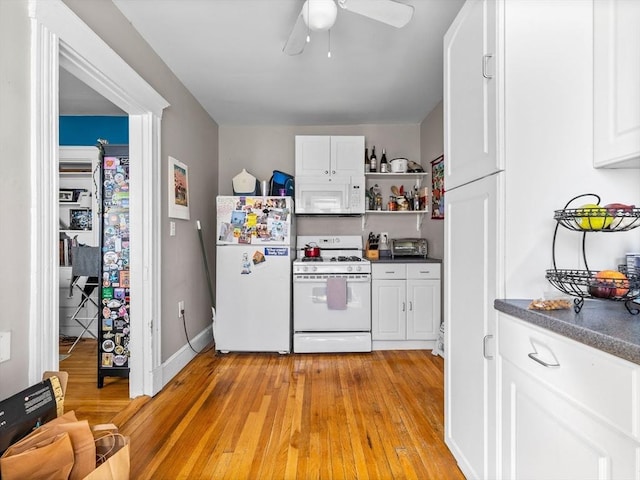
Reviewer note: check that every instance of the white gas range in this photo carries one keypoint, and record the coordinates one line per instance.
(331, 296)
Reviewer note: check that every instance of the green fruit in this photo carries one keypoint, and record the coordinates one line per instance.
(592, 217)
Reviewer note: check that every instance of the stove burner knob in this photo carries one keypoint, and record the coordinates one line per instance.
(349, 268)
(314, 269)
(358, 268)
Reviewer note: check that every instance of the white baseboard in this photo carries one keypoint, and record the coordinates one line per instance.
(176, 362)
(403, 344)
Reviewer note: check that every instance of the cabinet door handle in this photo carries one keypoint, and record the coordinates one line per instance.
(326, 172)
(404, 306)
(534, 356)
(484, 347)
(410, 306)
(485, 63)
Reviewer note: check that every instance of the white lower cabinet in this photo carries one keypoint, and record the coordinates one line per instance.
(405, 309)
(567, 410)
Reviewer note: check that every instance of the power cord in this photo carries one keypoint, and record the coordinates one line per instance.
(184, 324)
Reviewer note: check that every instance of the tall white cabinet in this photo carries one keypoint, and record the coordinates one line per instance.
(473, 156)
(471, 284)
(519, 124)
(471, 77)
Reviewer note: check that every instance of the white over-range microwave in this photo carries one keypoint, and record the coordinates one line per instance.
(336, 195)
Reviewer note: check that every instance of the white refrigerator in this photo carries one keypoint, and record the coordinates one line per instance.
(254, 251)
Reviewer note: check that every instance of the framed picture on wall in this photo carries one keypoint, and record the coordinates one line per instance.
(437, 188)
(65, 195)
(178, 174)
(80, 219)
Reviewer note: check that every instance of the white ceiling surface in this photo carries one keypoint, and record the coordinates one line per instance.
(228, 53)
(77, 98)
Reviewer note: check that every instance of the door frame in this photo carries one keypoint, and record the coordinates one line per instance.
(59, 38)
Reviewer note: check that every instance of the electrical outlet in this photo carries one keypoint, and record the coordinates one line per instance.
(180, 308)
(384, 237)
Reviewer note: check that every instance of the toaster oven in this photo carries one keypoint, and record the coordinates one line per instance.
(408, 247)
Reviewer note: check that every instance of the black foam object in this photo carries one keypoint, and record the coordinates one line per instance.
(25, 411)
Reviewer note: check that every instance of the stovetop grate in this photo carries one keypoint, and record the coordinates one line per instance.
(352, 258)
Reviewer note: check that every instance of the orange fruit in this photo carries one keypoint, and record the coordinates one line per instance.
(613, 279)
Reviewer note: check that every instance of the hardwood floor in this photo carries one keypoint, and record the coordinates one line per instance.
(98, 405)
(268, 416)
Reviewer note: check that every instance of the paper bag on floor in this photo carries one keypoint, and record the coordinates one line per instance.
(43, 455)
(112, 450)
(84, 449)
(115, 468)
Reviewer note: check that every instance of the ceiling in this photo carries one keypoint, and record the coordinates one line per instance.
(77, 98)
(228, 53)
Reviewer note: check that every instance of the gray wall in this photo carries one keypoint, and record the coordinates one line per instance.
(432, 146)
(14, 191)
(188, 134)
(262, 149)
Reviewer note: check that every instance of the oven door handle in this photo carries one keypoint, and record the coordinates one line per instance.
(323, 278)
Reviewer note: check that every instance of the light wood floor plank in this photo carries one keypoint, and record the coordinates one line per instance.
(267, 416)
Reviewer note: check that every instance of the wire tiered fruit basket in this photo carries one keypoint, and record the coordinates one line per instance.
(622, 285)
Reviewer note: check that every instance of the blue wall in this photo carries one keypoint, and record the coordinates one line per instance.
(85, 130)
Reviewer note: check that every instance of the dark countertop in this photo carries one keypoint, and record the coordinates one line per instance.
(602, 324)
(407, 260)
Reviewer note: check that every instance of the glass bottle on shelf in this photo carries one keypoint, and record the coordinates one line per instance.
(378, 201)
(373, 160)
(384, 165)
(367, 164)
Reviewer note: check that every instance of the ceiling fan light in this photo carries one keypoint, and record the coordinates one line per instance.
(319, 14)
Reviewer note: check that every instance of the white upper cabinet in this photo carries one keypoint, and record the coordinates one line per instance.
(326, 156)
(472, 70)
(616, 87)
(347, 155)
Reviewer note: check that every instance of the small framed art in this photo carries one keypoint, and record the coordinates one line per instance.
(178, 174)
(65, 195)
(80, 219)
(437, 188)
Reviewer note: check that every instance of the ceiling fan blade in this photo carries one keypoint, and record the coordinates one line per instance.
(297, 38)
(385, 11)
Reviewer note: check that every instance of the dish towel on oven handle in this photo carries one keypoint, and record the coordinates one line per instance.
(337, 293)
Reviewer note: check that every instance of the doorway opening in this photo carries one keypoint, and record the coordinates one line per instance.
(61, 39)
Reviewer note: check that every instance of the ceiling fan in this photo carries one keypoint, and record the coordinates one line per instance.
(319, 15)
